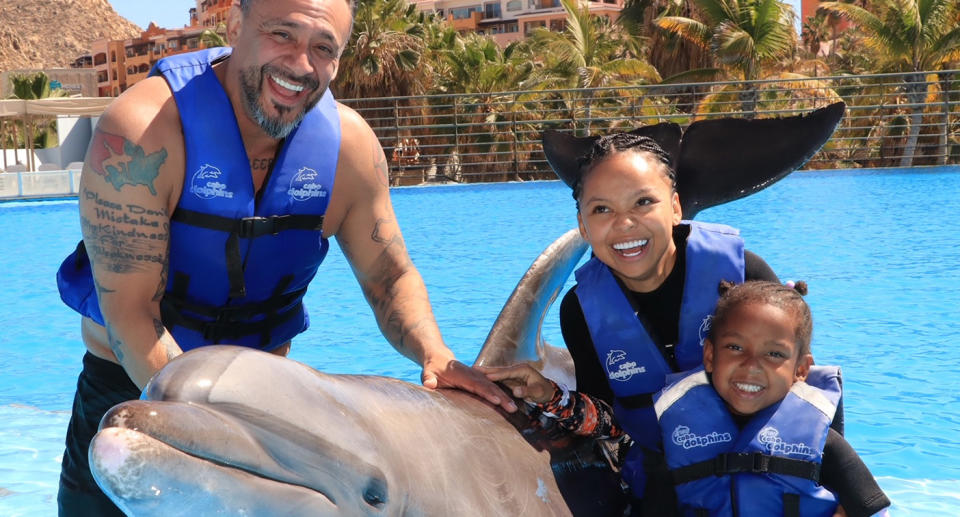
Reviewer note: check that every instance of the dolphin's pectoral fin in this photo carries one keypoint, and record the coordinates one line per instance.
(725, 159)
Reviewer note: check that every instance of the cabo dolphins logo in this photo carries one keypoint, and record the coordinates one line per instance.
(619, 368)
(303, 185)
(205, 183)
(769, 437)
(684, 437)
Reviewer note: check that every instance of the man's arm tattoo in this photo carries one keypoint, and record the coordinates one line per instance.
(122, 162)
(381, 287)
(124, 237)
(115, 344)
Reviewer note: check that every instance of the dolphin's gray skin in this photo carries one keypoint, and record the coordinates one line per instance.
(236, 431)
(716, 160)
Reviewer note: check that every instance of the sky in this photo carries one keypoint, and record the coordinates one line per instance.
(169, 14)
(173, 14)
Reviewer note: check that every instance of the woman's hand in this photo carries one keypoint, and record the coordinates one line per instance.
(525, 382)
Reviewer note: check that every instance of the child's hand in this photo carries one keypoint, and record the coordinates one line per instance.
(526, 382)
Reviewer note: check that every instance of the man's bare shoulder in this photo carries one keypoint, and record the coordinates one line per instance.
(146, 111)
(361, 157)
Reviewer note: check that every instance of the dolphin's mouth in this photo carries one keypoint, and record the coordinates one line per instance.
(134, 466)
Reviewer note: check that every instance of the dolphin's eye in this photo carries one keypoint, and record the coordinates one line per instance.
(376, 493)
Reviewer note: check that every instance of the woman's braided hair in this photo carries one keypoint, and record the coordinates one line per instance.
(788, 298)
(620, 142)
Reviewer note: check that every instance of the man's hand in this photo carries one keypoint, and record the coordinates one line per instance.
(526, 382)
(447, 372)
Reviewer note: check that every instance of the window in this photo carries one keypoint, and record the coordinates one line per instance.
(514, 5)
(529, 27)
(491, 10)
(462, 13)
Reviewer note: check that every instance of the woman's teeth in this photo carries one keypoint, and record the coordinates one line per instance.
(290, 86)
(637, 246)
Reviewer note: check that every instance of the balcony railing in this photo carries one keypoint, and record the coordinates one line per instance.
(496, 136)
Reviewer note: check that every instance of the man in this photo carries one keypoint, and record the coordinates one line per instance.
(206, 200)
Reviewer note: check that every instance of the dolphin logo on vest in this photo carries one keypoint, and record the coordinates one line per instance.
(619, 368)
(205, 185)
(705, 328)
(303, 186)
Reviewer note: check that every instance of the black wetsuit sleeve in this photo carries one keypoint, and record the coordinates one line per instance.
(755, 268)
(845, 474)
(591, 378)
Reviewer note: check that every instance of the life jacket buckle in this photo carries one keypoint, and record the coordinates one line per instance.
(254, 226)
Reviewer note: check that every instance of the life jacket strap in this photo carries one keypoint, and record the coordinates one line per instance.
(217, 323)
(752, 463)
(245, 228)
(223, 328)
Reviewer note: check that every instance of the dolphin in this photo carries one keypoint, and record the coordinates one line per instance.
(233, 430)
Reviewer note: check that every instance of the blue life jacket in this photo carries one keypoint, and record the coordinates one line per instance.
(635, 366)
(239, 261)
(770, 467)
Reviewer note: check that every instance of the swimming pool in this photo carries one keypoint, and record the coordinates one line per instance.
(884, 287)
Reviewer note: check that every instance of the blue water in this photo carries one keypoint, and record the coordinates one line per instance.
(884, 275)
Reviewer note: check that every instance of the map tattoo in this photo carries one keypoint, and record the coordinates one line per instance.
(121, 162)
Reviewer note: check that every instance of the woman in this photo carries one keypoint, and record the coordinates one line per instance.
(643, 302)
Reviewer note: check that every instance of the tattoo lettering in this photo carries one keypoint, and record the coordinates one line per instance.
(121, 162)
(380, 163)
(261, 164)
(124, 238)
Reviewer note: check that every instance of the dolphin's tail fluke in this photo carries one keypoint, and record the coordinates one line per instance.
(725, 159)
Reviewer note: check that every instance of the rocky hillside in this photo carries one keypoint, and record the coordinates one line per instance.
(52, 33)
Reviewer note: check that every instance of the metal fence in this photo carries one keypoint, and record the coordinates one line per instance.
(892, 120)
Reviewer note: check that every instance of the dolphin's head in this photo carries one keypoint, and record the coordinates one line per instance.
(211, 420)
(241, 432)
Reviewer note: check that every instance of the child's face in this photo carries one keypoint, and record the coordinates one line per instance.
(627, 214)
(754, 360)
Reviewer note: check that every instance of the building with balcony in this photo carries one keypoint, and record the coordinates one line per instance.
(210, 13)
(512, 20)
(119, 64)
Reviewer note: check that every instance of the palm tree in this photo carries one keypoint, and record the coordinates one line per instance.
(669, 53)
(383, 56)
(743, 35)
(910, 36)
(591, 52)
(31, 87)
(214, 37)
(490, 121)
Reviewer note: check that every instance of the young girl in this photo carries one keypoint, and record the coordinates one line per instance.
(746, 435)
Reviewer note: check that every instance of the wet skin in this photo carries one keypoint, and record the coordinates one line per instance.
(754, 359)
(627, 213)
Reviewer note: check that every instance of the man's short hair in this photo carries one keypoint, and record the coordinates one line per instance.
(245, 7)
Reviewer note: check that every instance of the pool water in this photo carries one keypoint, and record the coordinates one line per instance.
(877, 248)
